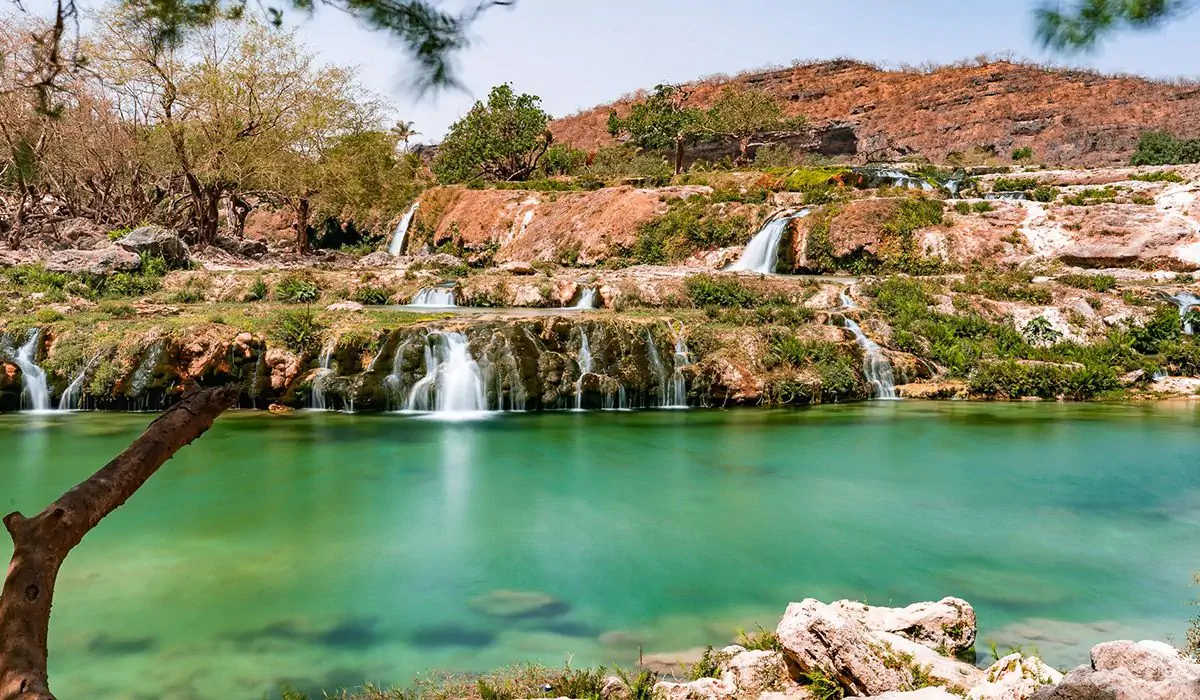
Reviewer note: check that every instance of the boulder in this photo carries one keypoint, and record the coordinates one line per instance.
(922, 694)
(380, 258)
(157, 241)
(519, 604)
(922, 662)
(517, 267)
(822, 638)
(702, 689)
(528, 295)
(344, 306)
(948, 624)
(754, 672)
(614, 688)
(1127, 670)
(82, 234)
(1015, 677)
(102, 261)
(242, 247)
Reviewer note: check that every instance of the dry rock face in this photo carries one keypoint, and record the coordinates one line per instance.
(1129, 671)
(101, 261)
(156, 241)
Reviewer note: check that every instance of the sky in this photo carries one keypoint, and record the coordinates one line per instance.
(576, 54)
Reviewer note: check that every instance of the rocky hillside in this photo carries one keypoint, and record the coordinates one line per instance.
(1067, 117)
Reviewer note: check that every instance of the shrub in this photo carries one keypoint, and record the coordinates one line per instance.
(774, 155)
(1159, 176)
(128, 284)
(688, 226)
(1044, 193)
(187, 295)
(762, 640)
(1162, 148)
(708, 666)
(1021, 154)
(1039, 332)
(116, 310)
(1182, 356)
(963, 208)
(1014, 184)
(258, 290)
(787, 349)
(713, 290)
(1095, 283)
(372, 296)
(299, 331)
(47, 315)
(1005, 286)
(1163, 326)
(982, 207)
(562, 159)
(1091, 196)
(297, 288)
(502, 139)
(1010, 379)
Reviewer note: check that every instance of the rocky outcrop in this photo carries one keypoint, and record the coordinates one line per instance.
(948, 624)
(101, 261)
(1014, 677)
(156, 241)
(1127, 670)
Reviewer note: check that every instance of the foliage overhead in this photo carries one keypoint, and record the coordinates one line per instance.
(503, 139)
(1087, 21)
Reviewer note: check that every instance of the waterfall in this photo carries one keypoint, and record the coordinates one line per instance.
(453, 382)
(397, 245)
(844, 298)
(33, 379)
(660, 370)
(587, 299)
(1186, 301)
(316, 399)
(762, 252)
(433, 297)
(585, 366)
(875, 365)
(69, 401)
(683, 358)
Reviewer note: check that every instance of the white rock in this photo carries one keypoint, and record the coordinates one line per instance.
(754, 672)
(821, 637)
(703, 689)
(948, 670)
(949, 623)
(345, 306)
(922, 694)
(1014, 677)
(1129, 671)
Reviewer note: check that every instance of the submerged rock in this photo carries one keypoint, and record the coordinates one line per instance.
(519, 604)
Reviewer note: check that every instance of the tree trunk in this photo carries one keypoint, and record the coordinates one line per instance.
(678, 154)
(41, 543)
(301, 205)
(206, 203)
(743, 146)
(239, 209)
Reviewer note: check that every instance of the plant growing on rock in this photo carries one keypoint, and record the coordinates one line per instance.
(717, 290)
(299, 331)
(1039, 331)
(297, 288)
(503, 139)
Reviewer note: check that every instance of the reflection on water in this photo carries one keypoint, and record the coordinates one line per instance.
(325, 549)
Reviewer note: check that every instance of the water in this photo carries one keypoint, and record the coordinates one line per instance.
(876, 367)
(320, 380)
(453, 383)
(35, 393)
(762, 252)
(1186, 301)
(328, 549)
(397, 245)
(682, 359)
(587, 299)
(433, 297)
(585, 366)
(69, 401)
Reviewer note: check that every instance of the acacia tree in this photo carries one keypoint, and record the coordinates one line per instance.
(503, 139)
(741, 114)
(662, 120)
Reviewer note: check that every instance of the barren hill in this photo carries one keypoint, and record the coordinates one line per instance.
(1067, 117)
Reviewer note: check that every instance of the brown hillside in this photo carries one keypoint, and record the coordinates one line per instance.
(1067, 117)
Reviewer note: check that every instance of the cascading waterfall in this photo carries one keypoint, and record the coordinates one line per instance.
(683, 358)
(434, 297)
(316, 399)
(587, 299)
(762, 252)
(660, 370)
(397, 244)
(33, 379)
(844, 298)
(69, 401)
(585, 366)
(1186, 301)
(875, 365)
(453, 383)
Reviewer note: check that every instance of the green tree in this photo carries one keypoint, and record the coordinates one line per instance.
(662, 120)
(503, 139)
(1087, 21)
(741, 113)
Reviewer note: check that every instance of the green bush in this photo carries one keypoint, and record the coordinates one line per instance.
(372, 296)
(1021, 154)
(1005, 286)
(562, 159)
(688, 227)
(1091, 196)
(1010, 379)
(299, 331)
(1162, 148)
(725, 291)
(1163, 326)
(1095, 283)
(1044, 193)
(258, 290)
(1182, 357)
(788, 350)
(1014, 184)
(1159, 176)
(297, 288)
(187, 295)
(47, 315)
(774, 155)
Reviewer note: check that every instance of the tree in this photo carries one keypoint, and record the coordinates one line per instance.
(42, 543)
(1082, 26)
(404, 131)
(741, 113)
(662, 120)
(503, 139)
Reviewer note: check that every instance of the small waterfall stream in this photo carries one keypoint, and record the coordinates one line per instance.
(397, 245)
(320, 381)
(433, 297)
(1186, 301)
(585, 366)
(762, 252)
(660, 370)
(33, 378)
(453, 383)
(69, 401)
(683, 358)
(587, 299)
(875, 365)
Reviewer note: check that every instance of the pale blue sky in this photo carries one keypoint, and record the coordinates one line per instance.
(578, 53)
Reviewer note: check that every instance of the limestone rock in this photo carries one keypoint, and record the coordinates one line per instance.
(243, 247)
(614, 688)
(821, 637)
(922, 694)
(912, 656)
(344, 306)
(1014, 677)
(157, 241)
(754, 672)
(1129, 671)
(517, 267)
(102, 261)
(703, 689)
(948, 624)
(528, 295)
(380, 258)
(81, 233)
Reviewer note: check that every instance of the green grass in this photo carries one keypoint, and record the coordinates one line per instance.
(297, 288)
(1159, 176)
(689, 226)
(1095, 283)
(1014, 184)
(1091, 196)
(1005, 286)
(720, 291)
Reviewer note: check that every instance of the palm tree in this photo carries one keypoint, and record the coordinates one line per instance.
(404, 131)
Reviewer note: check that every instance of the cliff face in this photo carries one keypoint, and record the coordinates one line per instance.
(1066, 117)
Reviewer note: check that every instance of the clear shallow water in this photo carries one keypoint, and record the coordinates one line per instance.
(325, 549)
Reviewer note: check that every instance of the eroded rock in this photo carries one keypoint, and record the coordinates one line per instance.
(1126, 670)
(156, 241)
(101, 261)
(948, 624)
(1014, 677)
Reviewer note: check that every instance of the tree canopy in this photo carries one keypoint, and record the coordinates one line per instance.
(502, 139)
(1086, 22)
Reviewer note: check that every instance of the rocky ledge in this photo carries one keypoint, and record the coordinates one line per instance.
(850, 650)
